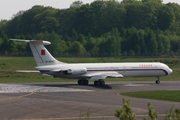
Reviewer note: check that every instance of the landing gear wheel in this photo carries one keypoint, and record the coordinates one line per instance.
(102, 82)
(99, 83)
(79, 82)
(95, 83)
(157, 81)
(83, 82)
(86, 82)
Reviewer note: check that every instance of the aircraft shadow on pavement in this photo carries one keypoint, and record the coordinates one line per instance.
(90, 86)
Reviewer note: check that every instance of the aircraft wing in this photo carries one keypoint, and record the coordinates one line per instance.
(28, 71)
(103, 75)
(31, 71)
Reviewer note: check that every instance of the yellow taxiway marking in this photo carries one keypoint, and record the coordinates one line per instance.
(7, 98)
(45, 95)
(17, 96)
(25, 95)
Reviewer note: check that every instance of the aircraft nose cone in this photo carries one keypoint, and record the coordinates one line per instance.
(170, 71)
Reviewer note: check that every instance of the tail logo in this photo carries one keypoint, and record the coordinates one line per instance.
(43, 52)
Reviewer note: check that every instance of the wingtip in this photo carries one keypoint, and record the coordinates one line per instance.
(40, 41)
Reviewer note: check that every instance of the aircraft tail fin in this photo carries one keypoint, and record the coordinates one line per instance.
(40, 53)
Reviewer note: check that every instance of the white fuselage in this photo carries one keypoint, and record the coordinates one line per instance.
(140, 69)
(48, 65)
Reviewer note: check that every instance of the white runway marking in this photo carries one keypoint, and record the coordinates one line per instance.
(131, 84)
(15, 88)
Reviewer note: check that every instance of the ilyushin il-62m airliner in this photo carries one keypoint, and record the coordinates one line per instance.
(48, 65)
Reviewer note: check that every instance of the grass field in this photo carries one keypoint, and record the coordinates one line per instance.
(159, 95)
(9, 65)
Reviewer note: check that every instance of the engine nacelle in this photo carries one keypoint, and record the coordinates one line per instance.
(76, 71)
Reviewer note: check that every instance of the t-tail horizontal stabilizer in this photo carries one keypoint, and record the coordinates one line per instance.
(38, 41)
(40, 53)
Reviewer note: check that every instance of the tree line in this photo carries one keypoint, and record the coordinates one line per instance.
(101, 28)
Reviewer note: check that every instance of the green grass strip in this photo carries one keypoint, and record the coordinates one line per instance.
(158, 95)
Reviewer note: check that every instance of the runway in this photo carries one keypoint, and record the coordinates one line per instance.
(69, 101)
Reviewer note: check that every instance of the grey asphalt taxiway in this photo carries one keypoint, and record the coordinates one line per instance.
(69, 101)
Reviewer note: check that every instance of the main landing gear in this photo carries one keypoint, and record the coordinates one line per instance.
(83, 82)
(96, 83)
(99, 83)
(158, 81)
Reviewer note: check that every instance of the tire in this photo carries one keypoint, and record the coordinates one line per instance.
(157, 81)
(83, 82)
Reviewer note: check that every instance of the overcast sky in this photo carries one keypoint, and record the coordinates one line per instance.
(10, 7)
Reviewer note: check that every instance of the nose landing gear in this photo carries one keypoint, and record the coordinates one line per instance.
(158, 81)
